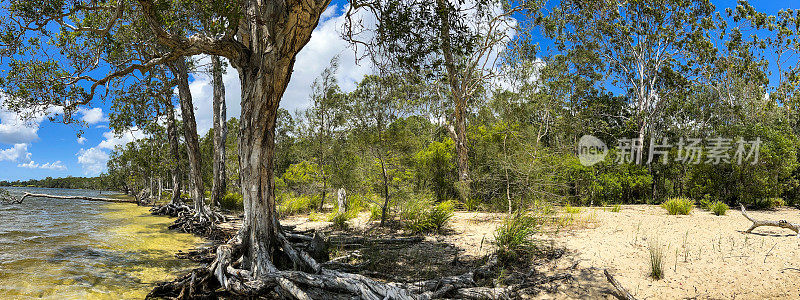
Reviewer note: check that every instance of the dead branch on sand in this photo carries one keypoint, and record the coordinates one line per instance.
(623, 292)
(780, 223)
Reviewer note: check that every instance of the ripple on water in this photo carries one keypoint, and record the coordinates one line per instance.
(61, 249)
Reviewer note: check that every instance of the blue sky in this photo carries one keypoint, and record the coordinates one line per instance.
(39, 148)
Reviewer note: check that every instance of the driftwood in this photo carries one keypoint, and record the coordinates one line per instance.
(623, 292)
(14, 200)
(780, 223)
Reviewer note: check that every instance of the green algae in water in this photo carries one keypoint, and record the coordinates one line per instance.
(88, 251)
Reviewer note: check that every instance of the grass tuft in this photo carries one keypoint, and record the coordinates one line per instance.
(572, 210)
(656, 261)
(718, 208)
(289, 205)
(514, 238)
(339, 220)
(232, 201)
(678, 206)
(423, 216)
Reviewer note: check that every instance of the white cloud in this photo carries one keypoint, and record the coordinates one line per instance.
(81, 140)
(326, 42)
(16, 153)
(92, 116)
(112, 140)
(16, 129)
(19, 153)
(56, 165)
(93, 161)
(29, 165)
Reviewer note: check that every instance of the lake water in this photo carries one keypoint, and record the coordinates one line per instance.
(68, 249)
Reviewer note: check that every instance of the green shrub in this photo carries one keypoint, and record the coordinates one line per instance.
(705, 203)
(440, 214)
(423, 216)
(610, 182)
(339, 220)
(616, 208)
(678, 206)
(718, 208)
(232, 201)
(514, 238)
(768, 203)
(471, 204)
(375, 212)
(572, 210)
(294, 205)
(656, 261)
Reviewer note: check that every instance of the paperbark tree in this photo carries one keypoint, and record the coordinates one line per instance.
(181, 71)
(174, 150)
(261, 40)
(219, 183)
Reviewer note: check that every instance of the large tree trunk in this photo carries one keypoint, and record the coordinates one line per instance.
(256, 151)
(457, 95)
(264, 71)
(180, 69)
(219, 184)
(174, 149)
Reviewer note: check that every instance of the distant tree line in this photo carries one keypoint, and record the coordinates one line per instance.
(91, 183)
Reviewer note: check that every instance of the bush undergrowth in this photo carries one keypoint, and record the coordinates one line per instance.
(678, 206)
(514, 238)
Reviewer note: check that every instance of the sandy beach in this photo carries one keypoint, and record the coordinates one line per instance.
(705, 256)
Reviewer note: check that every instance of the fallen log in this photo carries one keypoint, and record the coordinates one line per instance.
(14, 200)
(780, 223)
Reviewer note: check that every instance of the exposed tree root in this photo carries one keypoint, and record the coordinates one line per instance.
(172, 209)
(781, 223)
(200, 255)
(201, 224)
(308, 279)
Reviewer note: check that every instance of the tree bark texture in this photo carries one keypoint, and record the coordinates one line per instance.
(219, 183)
(180, 69)
(174, 149)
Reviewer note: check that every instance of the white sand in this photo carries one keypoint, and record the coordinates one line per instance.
(705, 256)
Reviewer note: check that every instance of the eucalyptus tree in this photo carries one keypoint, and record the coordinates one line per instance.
(377, 102)
(65, 54)
(324, 120)
(641, 43)
(455, 41)
(775, 35)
